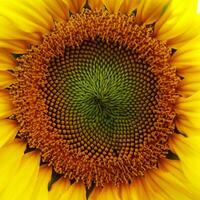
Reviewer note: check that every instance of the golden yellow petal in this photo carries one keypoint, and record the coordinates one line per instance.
(142, 188)
(6, 60)
(10, 158)
(188, 114)
(124, 192)
(8, 131)
(189, 85)
(10, 32)
(150, 11)
(187, 56)
(58, 189)
(108, 192)
(128, 6)
(57, 8)
(188, 150)
(190, 104)
(6, 78)
(76, 191)
(6, 107)
(186, 127)
(75, 6)
(40, 191)
(178, 15)
(189, 35)
(29, 16)
(22, 183)
(95, 4)
(113, 6)
(14, 46)
(168, 182)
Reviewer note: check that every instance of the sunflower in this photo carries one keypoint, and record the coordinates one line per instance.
(99, 100)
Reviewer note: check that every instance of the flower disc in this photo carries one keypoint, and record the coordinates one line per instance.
(97, 98)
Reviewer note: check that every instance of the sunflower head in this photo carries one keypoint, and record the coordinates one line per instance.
(101, 92)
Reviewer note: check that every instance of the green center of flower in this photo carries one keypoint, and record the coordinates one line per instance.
(97, 98)
(105, 95)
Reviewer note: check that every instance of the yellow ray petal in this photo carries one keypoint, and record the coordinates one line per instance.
(95, 4)
(8, 131)
(58, 188)
(189, 106)
(188, 114)
(113, 6)
(187, 55)
(128, 6)
(188, 87)
(189, 35)
(14, 46)
(21, 185)
(142, 188)
(186, 127)
(6, 107)
(29, 16)
(6, 78)
(40, 191)
(125, 193)
(57, 9)
(6, 60)
(10, 158)
(75, 6)
(165, 183)
(188, 150)
(10, 32)
(76, 191)
(108, 192)
(150, 11)
(178, 15)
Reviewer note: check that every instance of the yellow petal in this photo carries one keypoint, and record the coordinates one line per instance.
(57, 9)
(187, 55)
(40, 191)
(6, 107)
(188, 150)
(58, 188)
(142, 188)
(188, 86)
(29, 16)
(11, 32)
(150, 11)
(6, 60)
(21, 185)
(125, 192)
(113, 6)
(186, 127)
(14, 46)
(165, 183)
(178, 15)
(95, 4)
(189, 35)
(10, 158)
(128, 6)
(108, 192)
(8, 131)
(75, 6)
(6, 78)
(188, 114)
(189, 106)
(76, 191)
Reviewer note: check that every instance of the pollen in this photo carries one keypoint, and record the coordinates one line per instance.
(97, 97)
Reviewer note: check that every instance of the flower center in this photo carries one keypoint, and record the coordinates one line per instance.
(96, 97)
